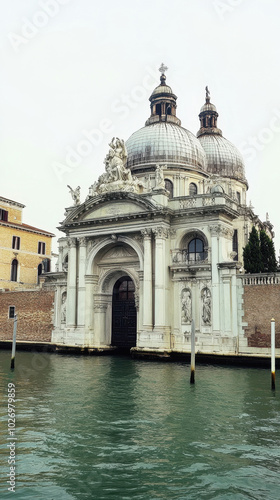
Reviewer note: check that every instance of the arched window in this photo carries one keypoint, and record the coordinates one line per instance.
(46, 265)
(39, 272)
(14, 270)
(158, 109)
(196, 250)
(169, 187)
(192, 189)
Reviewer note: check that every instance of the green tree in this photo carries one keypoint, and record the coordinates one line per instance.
(259, 253)
(252, 253)
(267, 253)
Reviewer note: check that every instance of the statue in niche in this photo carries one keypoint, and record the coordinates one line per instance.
(206, 306)
(160, 184)
(63, 307)
(75, 193)
(186, 306)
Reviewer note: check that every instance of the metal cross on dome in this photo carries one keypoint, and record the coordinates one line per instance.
(163, 68)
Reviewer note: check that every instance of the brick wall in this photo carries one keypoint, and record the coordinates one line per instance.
(34, 311)
(261, 304)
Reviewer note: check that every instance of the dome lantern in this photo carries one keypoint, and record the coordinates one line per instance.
(208, 117)
(223, 158)
(163, 102)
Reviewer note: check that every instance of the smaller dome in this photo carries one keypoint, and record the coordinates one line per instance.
(161, 89)
(208, 106)
(223, 158)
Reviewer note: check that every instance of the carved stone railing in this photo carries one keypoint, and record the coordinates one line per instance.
(261, 279)
(184, 257)
(203, 200)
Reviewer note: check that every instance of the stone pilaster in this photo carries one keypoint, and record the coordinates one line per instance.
(71, 313)
(161, 235)
(147, 280)
(82, 287)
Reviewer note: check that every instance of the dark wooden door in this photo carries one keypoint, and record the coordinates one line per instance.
(124, 314)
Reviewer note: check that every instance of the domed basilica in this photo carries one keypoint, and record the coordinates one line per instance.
(158, 242)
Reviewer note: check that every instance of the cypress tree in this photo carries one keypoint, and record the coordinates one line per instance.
(252, 253)
(267, 253)
(259, 253)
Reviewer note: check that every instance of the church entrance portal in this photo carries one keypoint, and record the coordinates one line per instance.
(124, 314)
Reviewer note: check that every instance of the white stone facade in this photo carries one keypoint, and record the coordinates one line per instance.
(175, 225)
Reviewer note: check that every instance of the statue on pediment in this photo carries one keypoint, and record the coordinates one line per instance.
(75, 193)
(117, 177)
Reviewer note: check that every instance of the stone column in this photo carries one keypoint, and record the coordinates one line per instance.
(148, 283)
(60, 250)
(82, 287)
(100, 310)
(72, 284)
(161, 235)
(215, 254)
(90, 282)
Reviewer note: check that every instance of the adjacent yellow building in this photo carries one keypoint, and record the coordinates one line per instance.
(25, 251)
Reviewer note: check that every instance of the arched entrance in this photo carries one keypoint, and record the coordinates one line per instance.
(124, 313)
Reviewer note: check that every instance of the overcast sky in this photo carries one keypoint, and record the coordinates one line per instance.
(78, 68)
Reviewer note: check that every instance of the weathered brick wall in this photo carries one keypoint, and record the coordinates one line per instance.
(261, 304)
(34, 310)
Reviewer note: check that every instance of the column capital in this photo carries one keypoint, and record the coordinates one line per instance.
(82, 241)
(160, 232)
(146, 233)
(72, 242)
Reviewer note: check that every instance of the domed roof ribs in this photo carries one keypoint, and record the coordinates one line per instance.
(208, 117)
(163, 102)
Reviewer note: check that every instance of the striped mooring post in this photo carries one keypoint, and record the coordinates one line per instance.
(192, 353)
(273, 354)
(14, 344)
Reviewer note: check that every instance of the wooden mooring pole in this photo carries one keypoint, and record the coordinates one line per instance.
(14, 344)
(273, 354)
(192, 353)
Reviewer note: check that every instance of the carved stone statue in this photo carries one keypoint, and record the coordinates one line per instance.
(75, 193)
(160, 184)
(63, 307)
(206, 306)
(116, 176)
(186, 306)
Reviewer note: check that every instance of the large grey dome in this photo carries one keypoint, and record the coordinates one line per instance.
(223, 158)
(165, 143)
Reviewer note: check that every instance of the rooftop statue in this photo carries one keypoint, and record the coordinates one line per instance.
(117, 177)
(75, 193)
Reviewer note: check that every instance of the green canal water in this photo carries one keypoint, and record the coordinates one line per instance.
(115, 428)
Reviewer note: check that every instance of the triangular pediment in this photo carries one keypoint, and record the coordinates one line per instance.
(110, 206)
(113, 208)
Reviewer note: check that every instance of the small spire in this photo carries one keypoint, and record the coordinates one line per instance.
(162, 69)
(207, 94)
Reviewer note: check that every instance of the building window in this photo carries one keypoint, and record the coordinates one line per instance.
(158, 109)
(14, 270)
(196, 250)
(12, 312)
(3, 214)
(235, 244)
(192, 189)
(39, 272)
(46, 265)
(169, 187)
(16, 243)
(41, 247)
